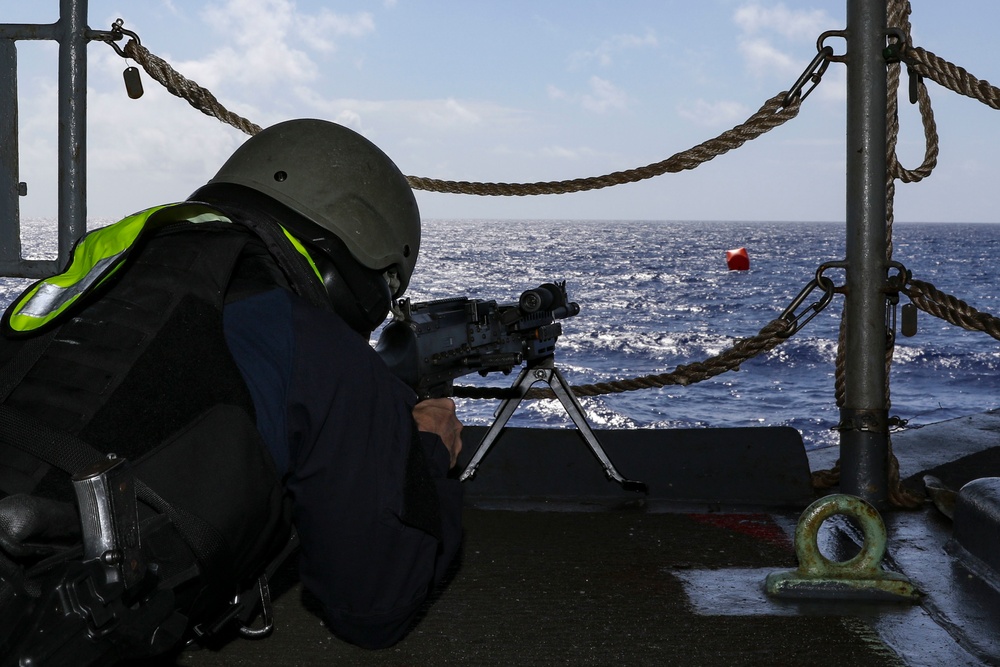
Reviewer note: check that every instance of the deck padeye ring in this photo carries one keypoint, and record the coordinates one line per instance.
(858, 578)
(811, 559)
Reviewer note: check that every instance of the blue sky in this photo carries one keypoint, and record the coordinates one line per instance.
(513, 91)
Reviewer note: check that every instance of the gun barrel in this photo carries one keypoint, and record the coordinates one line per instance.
(571, 309)
(500, 360)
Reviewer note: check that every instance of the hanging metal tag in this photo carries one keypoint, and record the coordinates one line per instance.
(908, 326)
(133, 84)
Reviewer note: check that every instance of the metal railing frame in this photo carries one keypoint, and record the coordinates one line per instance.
(72, 33)
(864, 434)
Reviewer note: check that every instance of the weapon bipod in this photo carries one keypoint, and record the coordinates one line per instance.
(544, 370)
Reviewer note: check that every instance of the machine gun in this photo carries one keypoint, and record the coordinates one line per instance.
(430, 344)
(427, 345)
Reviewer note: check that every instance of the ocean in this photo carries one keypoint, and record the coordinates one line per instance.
(656, 295)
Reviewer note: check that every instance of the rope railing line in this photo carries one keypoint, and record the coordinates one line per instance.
(951, 76)
(898, 15)
(200, 98)
(930, 299)
(769, 337)
(773, 113)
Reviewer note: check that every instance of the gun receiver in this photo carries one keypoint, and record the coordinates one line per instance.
(430, 344)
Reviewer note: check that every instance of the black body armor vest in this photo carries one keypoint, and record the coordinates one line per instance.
(141, 371)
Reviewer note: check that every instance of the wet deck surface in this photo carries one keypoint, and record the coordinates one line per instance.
(658, 583)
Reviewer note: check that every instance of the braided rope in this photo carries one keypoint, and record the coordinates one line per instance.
(950, 309)
(769, 337)
(772, 114)
(951, 76)
(898, 13)
(200, 98)
(932, 147)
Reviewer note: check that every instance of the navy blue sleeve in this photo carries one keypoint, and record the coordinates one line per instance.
(260, 337)
(351, 447)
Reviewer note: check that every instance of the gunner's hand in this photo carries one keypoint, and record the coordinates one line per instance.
(437, 415)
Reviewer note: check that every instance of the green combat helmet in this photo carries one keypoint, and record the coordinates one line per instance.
(359, 204)
(340, 181)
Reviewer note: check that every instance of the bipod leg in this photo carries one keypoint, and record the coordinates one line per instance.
(502, 415)
(545, 371)
(575, 412)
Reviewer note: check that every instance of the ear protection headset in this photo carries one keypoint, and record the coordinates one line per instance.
(359, 295)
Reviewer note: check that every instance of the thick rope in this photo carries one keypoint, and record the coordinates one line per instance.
(773, 113)
(773, 333)
(898, 15)
(928, 298)
(200, 98)
(951, 76)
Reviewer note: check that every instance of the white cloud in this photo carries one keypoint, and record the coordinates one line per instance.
(763, 58)
(268, 41)
(350, 118)
(560, 152)
(604, 96)
(605, 52)
(448, 114)
(317, 30)
(556, 93)
(764, 27)
(444, 116)
(713, 114)
(796, 25)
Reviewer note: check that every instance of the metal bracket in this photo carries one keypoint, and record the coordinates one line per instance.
(872, 421)
(859, 578)
(544, 370)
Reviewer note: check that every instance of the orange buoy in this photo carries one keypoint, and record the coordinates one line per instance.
(738, 259)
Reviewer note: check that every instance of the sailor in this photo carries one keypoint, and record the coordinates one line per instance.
(218, 348)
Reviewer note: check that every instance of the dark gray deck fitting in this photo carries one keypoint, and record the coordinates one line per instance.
(977, 527)
(939, 449)
(764, 466)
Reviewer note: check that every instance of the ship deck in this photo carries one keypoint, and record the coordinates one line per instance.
(591, 575)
